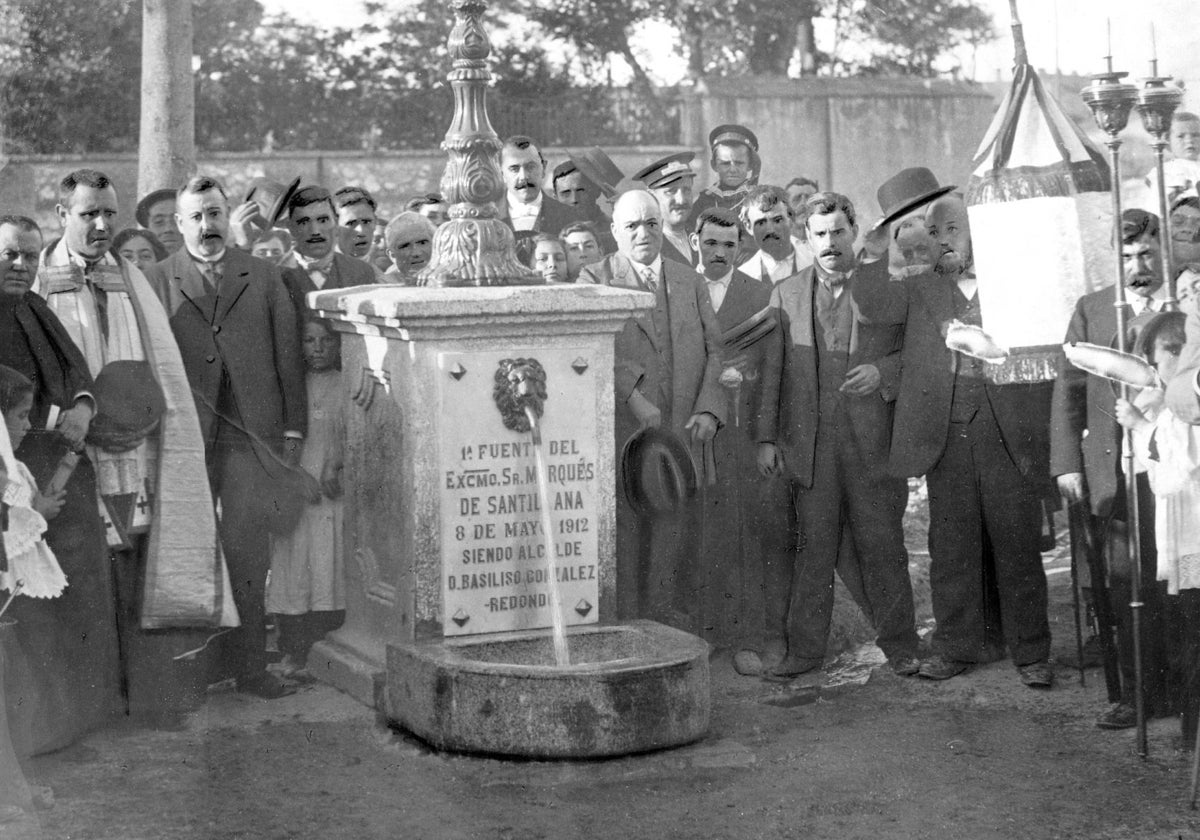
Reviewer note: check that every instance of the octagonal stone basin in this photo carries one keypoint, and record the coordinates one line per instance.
(630, 688)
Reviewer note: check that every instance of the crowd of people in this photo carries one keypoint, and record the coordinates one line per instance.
(175, 426)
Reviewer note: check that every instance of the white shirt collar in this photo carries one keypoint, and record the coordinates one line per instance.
(640, 268)
(722, 281)
(518, 209)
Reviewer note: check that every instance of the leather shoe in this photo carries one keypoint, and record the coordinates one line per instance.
(1118, 716)
(940, 668)
(1037, 674)
(792, 666)
(748, 663)
(905, 666)
(265, 685)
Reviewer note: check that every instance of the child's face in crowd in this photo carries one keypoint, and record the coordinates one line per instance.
(17, 420)
(1165, 357)
(322, 349)
(1185, 140)
(550, 261)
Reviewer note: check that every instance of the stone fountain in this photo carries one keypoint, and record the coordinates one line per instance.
(456, 388)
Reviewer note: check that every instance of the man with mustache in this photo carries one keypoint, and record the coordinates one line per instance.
(670, 181)
(235, 327)
(524, 206)
(743, 515)
(829, 382)
(409, 245)
(768, 218)
(148, 487)
(981, 446)
(313, 263)
(667, 364)
(1085, 457)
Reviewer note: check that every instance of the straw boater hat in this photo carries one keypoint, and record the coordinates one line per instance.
(906, 191)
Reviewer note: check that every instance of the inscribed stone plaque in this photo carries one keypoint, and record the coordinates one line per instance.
(494, 569)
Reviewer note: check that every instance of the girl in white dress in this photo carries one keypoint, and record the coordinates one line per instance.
(305, 589)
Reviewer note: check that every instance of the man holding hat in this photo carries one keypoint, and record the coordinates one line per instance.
(829, 384)
(1085, 457)
(982, 447)
(153, 490)
(668, 362)
(734, 150)
(156, 213)
(670, 181)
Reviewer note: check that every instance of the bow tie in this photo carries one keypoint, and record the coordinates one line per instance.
(72, 278)
(323, 264)
(522, 211)
(835, 279)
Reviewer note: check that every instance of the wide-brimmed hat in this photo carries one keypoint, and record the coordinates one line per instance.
(129, 405)
(142, 213)
(599, 168)
(906, 191)
(657, 472)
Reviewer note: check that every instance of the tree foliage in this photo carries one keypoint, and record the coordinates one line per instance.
(913, 37)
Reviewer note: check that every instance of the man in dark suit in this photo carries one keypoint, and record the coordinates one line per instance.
(235, 328)
(667, 361)
(1085, 457)
(525, 207)
(740, 573)
(313, 263)
(825, 422)
(982, 447)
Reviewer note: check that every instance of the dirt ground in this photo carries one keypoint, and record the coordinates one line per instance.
(979, 756)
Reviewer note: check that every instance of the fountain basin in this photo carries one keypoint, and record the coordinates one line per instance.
(630, 688)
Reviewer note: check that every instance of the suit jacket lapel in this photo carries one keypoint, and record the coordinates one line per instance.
(624, 275)
(233, 283)
(190, 283)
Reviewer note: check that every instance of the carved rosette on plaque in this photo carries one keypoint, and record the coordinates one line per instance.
(473, 248)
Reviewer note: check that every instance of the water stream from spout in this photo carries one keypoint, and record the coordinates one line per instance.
(557, 620)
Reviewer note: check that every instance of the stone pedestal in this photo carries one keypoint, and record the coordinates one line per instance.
(442, 526)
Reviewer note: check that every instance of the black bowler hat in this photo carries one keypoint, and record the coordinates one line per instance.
(657, 472)
(129, 405)
(276, 208)
(733, 133)
(666, 171)
(599, 168)
(906, 191)
(142, 213)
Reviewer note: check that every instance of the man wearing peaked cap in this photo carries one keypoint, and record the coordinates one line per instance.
(734, 158)
(670, 181)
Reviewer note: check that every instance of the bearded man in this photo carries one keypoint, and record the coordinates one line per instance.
(982, 447)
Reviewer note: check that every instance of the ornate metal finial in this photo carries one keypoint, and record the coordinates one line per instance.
(1111, 100)
(1156, 103)
(473, 248)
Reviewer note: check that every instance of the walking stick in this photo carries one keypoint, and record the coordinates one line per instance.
(1080, 524)
(1071, 531)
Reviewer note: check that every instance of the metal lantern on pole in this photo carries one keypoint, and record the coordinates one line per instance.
(1156, 103)
(1111, 101)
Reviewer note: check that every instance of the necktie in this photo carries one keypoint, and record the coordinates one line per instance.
(650, 278)
(212, 277)
(318, 277)
(101, 298)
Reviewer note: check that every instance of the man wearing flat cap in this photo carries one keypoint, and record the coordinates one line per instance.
(156, 213)
(982, 447)
(1085, 447)
(734, 159)
(670, 180)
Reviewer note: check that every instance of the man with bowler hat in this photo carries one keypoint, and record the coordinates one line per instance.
(982, 447)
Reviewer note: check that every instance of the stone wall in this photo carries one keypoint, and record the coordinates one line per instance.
(849, 134)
